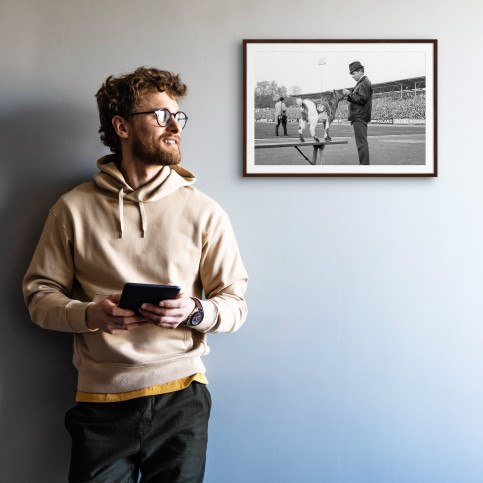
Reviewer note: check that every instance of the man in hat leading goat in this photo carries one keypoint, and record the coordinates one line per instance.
(360, 109)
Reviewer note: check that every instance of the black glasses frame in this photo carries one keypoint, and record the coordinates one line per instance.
(170, 116)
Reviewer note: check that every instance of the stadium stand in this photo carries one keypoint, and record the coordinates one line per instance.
(396, 100)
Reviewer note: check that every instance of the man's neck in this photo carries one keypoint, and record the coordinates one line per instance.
(138, 174)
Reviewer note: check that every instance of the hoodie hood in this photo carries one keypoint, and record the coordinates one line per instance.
(169, 179)
(110, 178)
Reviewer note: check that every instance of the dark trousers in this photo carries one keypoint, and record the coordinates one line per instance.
(164, 437)
(281, 120)
(360, 133)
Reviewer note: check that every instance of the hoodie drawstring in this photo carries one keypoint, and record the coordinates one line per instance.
(121, 212)
(143, 217)
(142, 212)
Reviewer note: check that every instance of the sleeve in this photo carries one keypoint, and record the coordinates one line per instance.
(49, 280)
(224, 281)
(361, 94)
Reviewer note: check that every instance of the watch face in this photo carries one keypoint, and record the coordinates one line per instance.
(195, 319)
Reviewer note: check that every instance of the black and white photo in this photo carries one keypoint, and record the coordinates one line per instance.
(340, 107)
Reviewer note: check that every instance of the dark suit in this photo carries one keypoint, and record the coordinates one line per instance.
(360, 114)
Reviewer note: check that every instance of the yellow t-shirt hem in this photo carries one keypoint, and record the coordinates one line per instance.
(165, 388)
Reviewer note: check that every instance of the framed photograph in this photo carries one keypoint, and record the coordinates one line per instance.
(340, 107)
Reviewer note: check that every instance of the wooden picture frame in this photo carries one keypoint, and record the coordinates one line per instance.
(312, 76)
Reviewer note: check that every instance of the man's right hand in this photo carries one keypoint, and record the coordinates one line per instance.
(109, 318)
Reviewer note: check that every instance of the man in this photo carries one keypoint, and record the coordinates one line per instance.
(281, 115)
(142, 401)
(360, 107)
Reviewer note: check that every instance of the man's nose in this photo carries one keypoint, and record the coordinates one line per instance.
(173, 126)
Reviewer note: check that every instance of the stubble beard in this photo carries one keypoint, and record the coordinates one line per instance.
(153, 154)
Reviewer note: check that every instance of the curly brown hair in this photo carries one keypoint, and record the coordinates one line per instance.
(118, 96)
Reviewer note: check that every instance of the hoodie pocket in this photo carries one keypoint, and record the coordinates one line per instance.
(146, 345)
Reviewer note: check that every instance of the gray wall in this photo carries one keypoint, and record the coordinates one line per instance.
(361, 359)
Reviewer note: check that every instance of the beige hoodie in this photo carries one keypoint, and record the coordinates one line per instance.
(103, 234)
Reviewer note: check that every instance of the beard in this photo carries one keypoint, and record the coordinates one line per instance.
(153, 153)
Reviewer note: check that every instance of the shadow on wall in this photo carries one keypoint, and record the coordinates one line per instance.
(41, 159)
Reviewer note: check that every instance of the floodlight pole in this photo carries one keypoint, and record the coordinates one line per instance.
(322, 62)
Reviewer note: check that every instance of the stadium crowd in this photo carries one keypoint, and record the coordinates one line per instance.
(387, 106)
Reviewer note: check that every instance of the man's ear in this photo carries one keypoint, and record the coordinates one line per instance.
(121, 127)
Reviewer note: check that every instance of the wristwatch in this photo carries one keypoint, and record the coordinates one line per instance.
(196, 316)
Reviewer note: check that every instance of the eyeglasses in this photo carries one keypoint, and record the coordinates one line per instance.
(164, 116)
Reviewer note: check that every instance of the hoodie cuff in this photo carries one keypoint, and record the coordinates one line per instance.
(210, 316)
(75, 312)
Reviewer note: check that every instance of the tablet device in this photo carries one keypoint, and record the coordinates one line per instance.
(135, 294)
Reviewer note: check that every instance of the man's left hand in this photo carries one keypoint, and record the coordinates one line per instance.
(169, 313)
